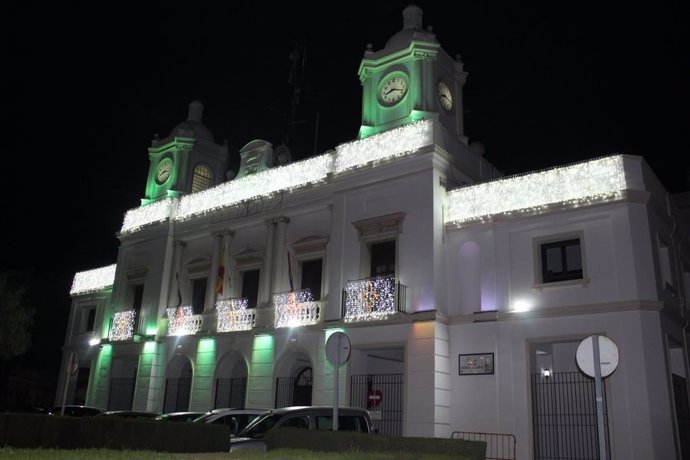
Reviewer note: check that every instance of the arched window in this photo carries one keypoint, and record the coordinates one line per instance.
(201, 179)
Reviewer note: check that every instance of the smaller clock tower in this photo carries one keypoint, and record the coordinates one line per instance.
(186, 161)
(412, 78)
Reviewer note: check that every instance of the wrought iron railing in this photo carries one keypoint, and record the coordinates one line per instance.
(183, 321)
(373, 298)
(122, 325)
(296, 308)
(233, 315)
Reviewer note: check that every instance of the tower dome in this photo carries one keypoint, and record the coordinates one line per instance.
(193, 126)
(412, 30)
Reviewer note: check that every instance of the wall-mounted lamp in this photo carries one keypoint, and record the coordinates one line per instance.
(93, 341)
(546, 373)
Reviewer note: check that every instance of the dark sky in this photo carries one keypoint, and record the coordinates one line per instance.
(87, 85)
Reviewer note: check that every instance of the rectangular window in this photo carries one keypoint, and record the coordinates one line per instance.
(138, 297)
(311, 276)
(198, 295)
(561, 261)
(88, 319)
(382, 258)
(250, 286)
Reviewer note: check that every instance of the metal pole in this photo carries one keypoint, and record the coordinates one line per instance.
(335, 386)
(68, 372)
(599, 398)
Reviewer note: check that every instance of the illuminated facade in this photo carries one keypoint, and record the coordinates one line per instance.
(225, 291)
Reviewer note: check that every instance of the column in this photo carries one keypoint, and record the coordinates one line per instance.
(266, 271)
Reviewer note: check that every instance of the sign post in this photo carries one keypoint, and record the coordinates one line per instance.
(337, 352)
(597, 357)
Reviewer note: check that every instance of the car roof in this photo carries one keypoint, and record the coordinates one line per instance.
(129, 413)
(298, 409)
(248, 410)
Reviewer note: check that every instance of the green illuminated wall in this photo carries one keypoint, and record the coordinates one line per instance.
(149, 388)
(260, 378)
(201, 398)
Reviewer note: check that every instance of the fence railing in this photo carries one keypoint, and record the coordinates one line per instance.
(499, 446)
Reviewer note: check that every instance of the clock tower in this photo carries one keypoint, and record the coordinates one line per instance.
(412, 78)
(186, 161)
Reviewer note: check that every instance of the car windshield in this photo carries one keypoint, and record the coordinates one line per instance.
(203, 418)
(261, 425)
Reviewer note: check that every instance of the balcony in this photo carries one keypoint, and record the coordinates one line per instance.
(296, 308)
(373, 299)
(122, 325)
(233, 315)
(182, 321)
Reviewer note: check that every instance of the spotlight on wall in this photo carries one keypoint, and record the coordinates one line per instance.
(546, 373)
(94, 341)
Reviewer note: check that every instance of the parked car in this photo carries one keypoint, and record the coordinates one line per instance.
(307, 417)
(179, 416)
(128, 414)
(76, 411)
(236, 419)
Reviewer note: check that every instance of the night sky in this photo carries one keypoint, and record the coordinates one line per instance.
(87, 86)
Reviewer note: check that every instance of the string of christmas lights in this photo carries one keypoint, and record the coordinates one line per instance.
(182, 321)
(295, 308)
(137, 218)
(123, 325)
(233, 315)
(575, 185)
(370, 299)
(93, 280)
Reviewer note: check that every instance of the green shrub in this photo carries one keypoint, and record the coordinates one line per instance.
(338, 441)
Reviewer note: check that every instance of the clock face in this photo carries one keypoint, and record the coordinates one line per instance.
(445, 95)
(393, 90)
(164, 170)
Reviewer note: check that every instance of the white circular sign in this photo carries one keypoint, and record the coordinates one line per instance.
(338, 348)
(608, 356)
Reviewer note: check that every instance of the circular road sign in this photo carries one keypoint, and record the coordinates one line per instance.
(338, 348)
(608, 356)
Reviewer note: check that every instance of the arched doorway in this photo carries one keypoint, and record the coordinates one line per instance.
(178, 384)
(294, 380)
(302, 391)
(231, 383)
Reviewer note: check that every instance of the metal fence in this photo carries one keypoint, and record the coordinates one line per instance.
(177, 395)
(383, 396)
(231, 392)
(499, 446)
(565, 417)
(294, 391)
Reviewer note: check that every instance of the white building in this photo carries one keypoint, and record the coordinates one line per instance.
(464, 295)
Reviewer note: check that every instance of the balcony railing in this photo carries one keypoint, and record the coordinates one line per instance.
(373, 298)
(233, 315)
(183, 321)
(296, 308)
(122, 325)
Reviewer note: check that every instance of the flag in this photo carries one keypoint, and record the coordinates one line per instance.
(292, 287)
(220, 279)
